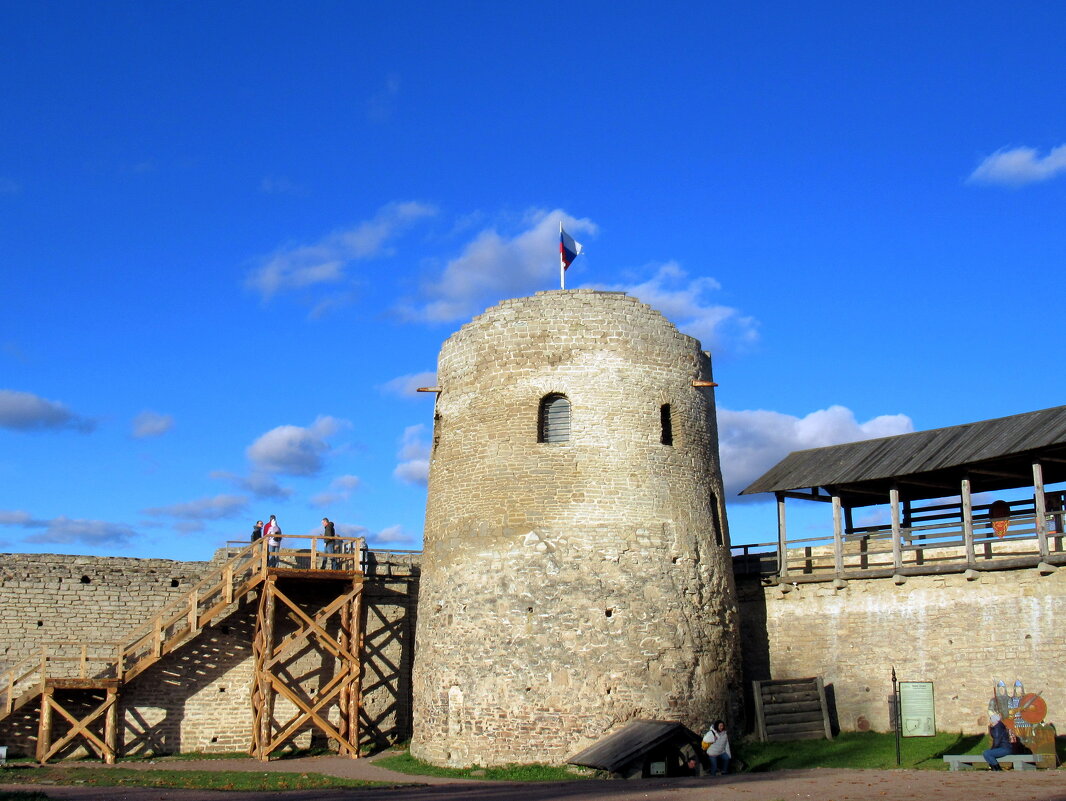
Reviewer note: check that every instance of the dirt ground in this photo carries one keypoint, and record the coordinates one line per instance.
(803, 785)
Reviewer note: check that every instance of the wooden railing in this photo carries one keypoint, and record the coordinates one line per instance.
(56, 660)
(177, 622)
(933, 539)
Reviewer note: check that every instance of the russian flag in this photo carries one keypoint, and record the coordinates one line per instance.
(568, 248)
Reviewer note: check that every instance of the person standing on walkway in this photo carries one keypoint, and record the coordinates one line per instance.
(1002, 741)
(272, 531)
(716, 743)
(329, 536)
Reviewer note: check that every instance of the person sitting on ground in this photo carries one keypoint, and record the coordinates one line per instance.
(716, 743)
(1002, 741)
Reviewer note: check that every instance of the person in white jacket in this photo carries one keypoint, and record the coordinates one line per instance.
(716, 744)
(272, 534)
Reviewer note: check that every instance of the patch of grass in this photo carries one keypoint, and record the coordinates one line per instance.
(405, 763)
(185, 757)
(859, 750)
(184, 779)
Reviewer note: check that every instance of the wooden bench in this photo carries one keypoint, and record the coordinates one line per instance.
(967, 761)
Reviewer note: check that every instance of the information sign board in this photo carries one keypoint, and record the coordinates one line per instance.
(916, 708)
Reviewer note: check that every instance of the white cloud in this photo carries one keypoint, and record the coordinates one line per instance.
(388, 535)
(24, 411)
(66, 530)
(16, 517)
(90, 532)
(327, 261)
(392, 534)
(414, 456)
(406, 386)
(280, 185)
(340, 489)
(685, 301)
(751, 442)
(493, 267)
(259, 484)
(214, 508)
(151, 424)
(382, 103)
(1020, 165)
(294, 450)
(349, 529)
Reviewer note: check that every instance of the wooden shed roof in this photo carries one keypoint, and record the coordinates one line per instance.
(996, 454)
(617, 750)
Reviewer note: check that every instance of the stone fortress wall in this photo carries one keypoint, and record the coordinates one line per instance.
(569, 587)
(199, 697)
(963, 635)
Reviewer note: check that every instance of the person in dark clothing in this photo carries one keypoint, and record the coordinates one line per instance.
(1002, 741)
(332, 544)
(257, 530)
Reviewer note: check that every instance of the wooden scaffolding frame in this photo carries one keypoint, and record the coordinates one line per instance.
(105, 746)
(343, 689)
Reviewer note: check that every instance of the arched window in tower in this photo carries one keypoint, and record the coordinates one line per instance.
(667, 425)
(553, 424)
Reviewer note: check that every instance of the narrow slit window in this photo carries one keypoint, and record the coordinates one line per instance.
(667, 425)
(716, 519)
(554, 419)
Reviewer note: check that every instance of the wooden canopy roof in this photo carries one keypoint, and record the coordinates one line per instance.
(995, 454)
(617, 750)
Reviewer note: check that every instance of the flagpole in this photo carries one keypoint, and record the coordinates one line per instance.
(562, 267)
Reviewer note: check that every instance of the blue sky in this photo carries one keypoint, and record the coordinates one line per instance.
(233, 236)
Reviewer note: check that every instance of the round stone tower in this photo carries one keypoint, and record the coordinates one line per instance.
(576, 572)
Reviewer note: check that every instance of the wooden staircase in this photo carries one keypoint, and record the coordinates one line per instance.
(103, 666)
(791, 709)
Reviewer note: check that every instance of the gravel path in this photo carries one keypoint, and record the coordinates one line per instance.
(802, 785)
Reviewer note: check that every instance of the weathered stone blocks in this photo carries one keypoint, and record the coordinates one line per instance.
(569, 587)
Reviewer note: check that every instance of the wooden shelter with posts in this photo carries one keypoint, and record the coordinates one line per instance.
(943, 515)
(308, 595)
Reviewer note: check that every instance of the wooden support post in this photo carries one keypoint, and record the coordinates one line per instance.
(111, 727)
(44, 725)
(782, 545)
(838, 537)
(967, 522)
(897, 545)
(227, 584)
(355, 701)
(1040, 507)
(83, 664)
(157, 638)
(265, 631)
(193, 603)
(346, 695)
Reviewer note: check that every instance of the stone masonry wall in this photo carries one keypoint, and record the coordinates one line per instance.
(198, 699)
(49, 597)
(961, 635)
(570, 587)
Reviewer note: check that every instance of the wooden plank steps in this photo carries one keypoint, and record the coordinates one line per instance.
(791, 709)
(51, 668)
